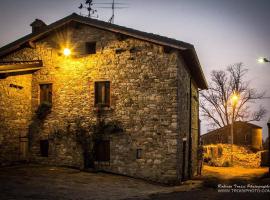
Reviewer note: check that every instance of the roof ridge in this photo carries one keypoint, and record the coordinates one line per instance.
(187, 49)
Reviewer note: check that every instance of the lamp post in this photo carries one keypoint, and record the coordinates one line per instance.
(263, 60)
(234, 101)
(268, 124)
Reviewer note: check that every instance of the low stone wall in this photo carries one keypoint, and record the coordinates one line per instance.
(220, 156)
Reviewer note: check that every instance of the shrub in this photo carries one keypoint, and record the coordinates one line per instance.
(226, 164)
(220, 151)
(207, 158)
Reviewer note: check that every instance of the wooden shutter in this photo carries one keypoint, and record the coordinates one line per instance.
(107, 93)
(46, 93)
(102, 93)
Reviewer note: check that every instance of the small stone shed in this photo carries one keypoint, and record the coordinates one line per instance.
(86, 93)
(246, 134)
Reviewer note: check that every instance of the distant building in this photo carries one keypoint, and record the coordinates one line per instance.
(244, 134)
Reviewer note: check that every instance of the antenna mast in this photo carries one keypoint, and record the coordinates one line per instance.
(89, 7)
(111, 20)
(114, 5)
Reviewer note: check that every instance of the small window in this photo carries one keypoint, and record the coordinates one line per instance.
(45, 93)
(102, 93)
(102, 150)
(44, 148)
(139, 154)
(246, 138)
(90, 47)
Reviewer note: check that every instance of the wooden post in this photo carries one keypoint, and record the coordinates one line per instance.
(232, 135)
(268, 124)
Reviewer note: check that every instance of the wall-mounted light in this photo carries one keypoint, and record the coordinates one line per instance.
(66, 52)
(263, 60)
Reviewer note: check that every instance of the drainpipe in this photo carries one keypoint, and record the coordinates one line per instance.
(190, 132)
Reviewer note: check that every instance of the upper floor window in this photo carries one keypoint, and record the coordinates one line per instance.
(102, 93)
(46, 93)
(90, 47)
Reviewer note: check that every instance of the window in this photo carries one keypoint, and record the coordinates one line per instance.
(102, 150)
(46, 93)
(44, 148)
(139, 154)
(102, 93)
(246, 138)
(90, 47)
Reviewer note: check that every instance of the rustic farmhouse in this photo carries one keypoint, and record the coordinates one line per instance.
(86, 93)
(245, 134)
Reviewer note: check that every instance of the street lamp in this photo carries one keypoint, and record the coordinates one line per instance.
(268, 124)
(263, 60)
(234, 101)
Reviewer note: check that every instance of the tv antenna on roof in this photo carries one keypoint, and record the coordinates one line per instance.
(114, 5)
(89, 7)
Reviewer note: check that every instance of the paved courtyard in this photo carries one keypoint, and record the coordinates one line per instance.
(35, 182)
(55, 183)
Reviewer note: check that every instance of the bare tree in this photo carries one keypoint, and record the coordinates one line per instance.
(215, 103)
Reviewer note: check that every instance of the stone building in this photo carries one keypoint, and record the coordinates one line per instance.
(85, 93)
(245, 134)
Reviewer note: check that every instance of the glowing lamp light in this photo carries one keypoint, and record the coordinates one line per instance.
(234, 98)
(263, 60)
(67, 52)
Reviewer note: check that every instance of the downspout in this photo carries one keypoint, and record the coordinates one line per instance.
(190, 131)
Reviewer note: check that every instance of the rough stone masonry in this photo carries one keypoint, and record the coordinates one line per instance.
(153, 96)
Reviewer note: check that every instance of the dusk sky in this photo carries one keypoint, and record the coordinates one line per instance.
(223, 31)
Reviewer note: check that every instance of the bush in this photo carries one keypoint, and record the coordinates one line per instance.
(207, 158)
(226, 164)
(220, 151)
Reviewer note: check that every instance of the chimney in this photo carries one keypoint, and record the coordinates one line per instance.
(38, 25)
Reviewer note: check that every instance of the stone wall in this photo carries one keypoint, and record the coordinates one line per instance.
(194, 126)
(183, 119)
(15, 116)
(219, 155)
(150, 98)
